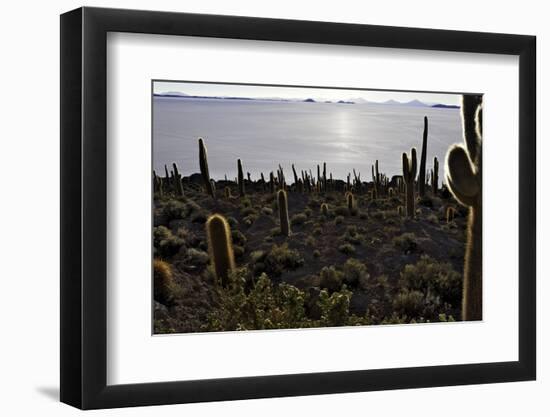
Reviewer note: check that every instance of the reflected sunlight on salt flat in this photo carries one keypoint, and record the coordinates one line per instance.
(267, 133)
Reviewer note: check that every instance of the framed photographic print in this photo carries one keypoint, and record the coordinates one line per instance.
(258, 208)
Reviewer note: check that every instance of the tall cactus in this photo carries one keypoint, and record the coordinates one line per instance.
(240, 177)
(177, 181)
(271, 183)
(422, 174)
(463, 177)
(203, 162)
(324, 177)
(220, 247)
(409, 174)
(283, 212)
(435, 176)
(295, 175)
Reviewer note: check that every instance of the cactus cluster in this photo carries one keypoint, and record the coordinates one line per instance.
(463, 177)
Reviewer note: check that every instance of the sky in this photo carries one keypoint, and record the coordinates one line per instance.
(318, 94)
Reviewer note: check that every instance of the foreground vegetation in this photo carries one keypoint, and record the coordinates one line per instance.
(249, 254)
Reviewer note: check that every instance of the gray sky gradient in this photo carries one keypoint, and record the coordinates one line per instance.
(318, 94)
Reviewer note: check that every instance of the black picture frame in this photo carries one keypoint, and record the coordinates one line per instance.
(84, 207)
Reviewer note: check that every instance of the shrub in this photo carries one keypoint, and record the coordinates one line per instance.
(409, 303)
(277, 260)
(352, 235)
(298, 219)
(406, 242)
(267, 211)
(355, 273)
(175, 209)
(347, 249)
(247, 211)
(437, 278)
(238, 237)
(339, 220)
(199, 216)
(197, 257)
(316, 254)
(165, 243)
(266, 306)
(331, 279)
(335, 308)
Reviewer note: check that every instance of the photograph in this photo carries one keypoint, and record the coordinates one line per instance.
(279, 207)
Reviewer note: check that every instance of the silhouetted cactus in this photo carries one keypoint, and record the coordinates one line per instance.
(324, 209)
(400, 210)
(409, 174)
(463, 177)
(271, 183)
(295, 175)
(240, 177)
(435, 176)
(203, 162)
(282, 202)
(390, 192)
(227, 192)
(220, 247)
(422, 174)
(324, 176)
(177, 181)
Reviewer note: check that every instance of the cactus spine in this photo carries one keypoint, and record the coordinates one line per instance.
(240, 178)
(409, 174)
(203, 162)
(220, 247)
(422, 174)
(463, 177)
(283, 212)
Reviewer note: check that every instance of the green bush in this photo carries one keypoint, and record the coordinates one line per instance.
(165, 243)
(347, 249)
(352, 235)
(175, 209)
(436, 278)
(409, 303)
(331, 278)
(277, 260)
(197, 257)
(406, 242)
(355, 273)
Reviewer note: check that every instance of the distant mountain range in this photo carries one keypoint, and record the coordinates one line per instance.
(412, 103)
